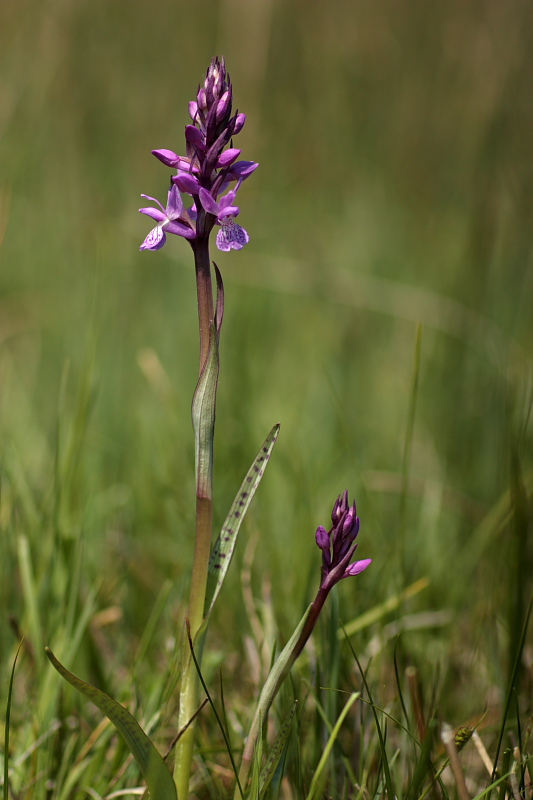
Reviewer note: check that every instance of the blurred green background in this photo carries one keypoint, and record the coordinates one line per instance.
(395, 143)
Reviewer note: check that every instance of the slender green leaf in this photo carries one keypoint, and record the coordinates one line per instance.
(276, 752)
(30, 594)
(225, 544)
(314, 788)
(154, 770)
(223, 728)
(254, 792)
(8, 720)
(381, 738)
(276, 676)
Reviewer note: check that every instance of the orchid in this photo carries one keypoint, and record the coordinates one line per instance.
(205, 172)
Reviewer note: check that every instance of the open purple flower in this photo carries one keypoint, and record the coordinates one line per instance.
(338, 544)
(172, 219)
(231, 235)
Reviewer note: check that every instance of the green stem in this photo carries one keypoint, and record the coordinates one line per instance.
(204, 427)
(206, 312)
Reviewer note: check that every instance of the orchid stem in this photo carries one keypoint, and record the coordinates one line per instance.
(204, 429)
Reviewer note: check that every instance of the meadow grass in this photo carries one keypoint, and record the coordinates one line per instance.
(382, 313)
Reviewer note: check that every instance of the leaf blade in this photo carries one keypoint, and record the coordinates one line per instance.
(222, 552)
(154, 770)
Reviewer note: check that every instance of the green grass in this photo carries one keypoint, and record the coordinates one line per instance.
(395, 189)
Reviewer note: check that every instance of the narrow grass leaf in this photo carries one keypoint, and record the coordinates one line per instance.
(154, 770)
(512, 684)
(267, 773)
(315, 789)
(7, 724)
(424, 767)
(223, 728)
(382, 609)
(30, 594)
(384, 759)
(407, 447)
(225, 544)
(276, 676)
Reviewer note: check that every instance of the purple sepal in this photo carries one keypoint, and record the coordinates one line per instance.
(186, 183)
(195, 137)
(223, 104)
(228, 157)
(180, 230)
(202, 99)
(168, 157)
(193, 110)
(159, 216)
(357, 567)
(242, 170)
(322, 538)
(222, 208)
(240, 119)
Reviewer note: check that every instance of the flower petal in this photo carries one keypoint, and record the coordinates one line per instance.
(228, 157)
(210, 205)
(186, 183)
(153, 199)
(174, 203)
(155, 239)
(229, 211)
(231, 236)
(180, 230)
(322, 538)
(195, 137)
(155, 213)
(242, 169)
(193, 110)
(357, 567)
(223, 105)
(168, 157)
(240, 119)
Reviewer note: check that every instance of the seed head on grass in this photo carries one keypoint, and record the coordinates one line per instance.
(206, 172)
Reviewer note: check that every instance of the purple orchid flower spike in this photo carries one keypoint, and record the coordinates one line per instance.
(206, 171)
(171, 219)
(338, 544)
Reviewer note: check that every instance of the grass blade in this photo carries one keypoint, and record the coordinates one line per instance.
(267, 773)
(154, 770)
(8, 719)
(314, 789)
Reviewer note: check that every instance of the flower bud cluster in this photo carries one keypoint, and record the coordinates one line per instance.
(206, 172)
(338, 544)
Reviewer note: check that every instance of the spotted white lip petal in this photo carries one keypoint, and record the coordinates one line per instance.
(231, 236)
(155, 239)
